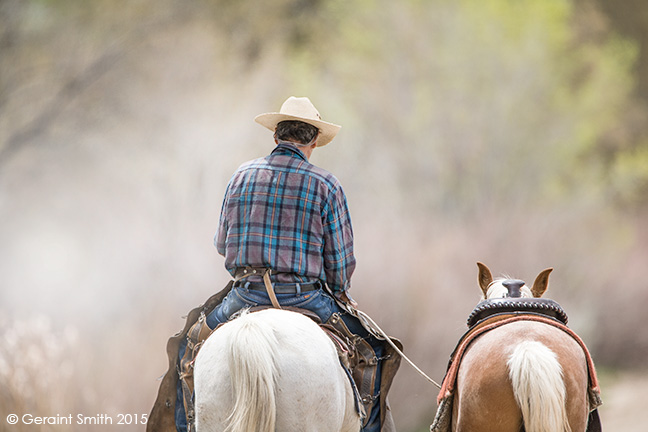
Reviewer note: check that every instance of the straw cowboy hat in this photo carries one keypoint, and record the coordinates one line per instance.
(300, 109)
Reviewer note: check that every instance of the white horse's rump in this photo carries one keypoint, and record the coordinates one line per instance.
(538, 386)
(272, 370)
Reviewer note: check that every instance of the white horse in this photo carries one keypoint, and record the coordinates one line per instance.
(272, 370)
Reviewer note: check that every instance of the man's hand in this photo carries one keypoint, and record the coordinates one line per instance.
(346, 298)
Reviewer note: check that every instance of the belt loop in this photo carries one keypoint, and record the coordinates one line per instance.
(247, 285)
(298, 288)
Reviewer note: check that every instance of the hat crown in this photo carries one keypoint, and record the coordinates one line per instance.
(300, 107)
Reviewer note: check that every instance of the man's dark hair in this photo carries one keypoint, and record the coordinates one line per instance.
(291, 130)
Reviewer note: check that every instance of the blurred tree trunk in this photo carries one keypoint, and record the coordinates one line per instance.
(624, 148)
(630, 18)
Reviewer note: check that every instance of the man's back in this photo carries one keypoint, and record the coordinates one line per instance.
(284, 213)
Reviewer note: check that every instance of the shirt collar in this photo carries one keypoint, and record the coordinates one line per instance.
(288, 148)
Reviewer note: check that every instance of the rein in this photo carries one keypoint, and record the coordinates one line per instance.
(371, 325)
(365, 319)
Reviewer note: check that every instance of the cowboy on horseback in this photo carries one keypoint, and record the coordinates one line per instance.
(285, 232)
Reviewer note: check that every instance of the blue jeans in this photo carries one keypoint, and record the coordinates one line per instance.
(318, 301)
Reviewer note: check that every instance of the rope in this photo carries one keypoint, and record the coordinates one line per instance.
(376, 328)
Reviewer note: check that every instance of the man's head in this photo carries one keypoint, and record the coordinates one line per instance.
(296, 131)
(299, 110)
(304, 135)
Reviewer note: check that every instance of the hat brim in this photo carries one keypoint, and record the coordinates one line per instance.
(327, 130)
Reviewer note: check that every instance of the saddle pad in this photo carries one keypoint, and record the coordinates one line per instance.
(493, 322)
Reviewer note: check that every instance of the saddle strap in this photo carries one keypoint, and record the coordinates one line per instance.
(255, 271)
(198, 333)
(270, 289)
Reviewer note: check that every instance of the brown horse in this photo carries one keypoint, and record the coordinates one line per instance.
(525, 375)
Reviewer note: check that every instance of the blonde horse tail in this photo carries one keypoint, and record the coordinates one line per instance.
(251, 352)
(538, 387)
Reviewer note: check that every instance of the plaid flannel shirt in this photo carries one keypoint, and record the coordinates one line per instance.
(284, 213)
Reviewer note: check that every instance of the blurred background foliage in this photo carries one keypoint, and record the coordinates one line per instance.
(509, 132)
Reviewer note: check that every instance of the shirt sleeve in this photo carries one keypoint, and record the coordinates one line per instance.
(221, 233)
(339, 260)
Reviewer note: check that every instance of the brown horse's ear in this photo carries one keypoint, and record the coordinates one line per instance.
(485, 277)
(541, 282)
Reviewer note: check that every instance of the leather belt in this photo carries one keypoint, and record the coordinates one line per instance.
(245, 272)
(282, 288)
